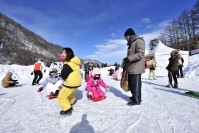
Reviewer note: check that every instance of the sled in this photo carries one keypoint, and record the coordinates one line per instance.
(193, 94)
(51, 96)
(17, 85)
(97, 99)
(9, 87)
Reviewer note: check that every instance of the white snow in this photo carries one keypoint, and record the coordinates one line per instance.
(163, 110)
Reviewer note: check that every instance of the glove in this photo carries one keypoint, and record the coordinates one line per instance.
(108, 88)
(90, 93)
(60, 87)
(31, 73)
(44, 71)
(126, 60)
(16, 82)
(40, 89)
(123, 64)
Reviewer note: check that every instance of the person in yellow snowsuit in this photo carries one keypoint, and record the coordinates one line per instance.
(72, 80)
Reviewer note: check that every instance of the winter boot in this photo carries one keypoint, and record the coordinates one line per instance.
(33, 84)
(132, 103)
(74, 102)
(57, 92)
(175, 85)
(131, 98)
(52, 94)
(67, 112)
(169, 85)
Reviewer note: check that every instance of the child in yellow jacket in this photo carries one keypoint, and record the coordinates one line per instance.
(72, 80)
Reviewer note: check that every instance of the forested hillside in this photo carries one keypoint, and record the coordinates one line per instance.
(19, 45)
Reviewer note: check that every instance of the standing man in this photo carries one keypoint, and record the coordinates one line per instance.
(38, 75)
(134, 65)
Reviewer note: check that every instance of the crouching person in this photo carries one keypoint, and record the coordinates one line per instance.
(117, 75)
(111, 71)
(72, 80)
(7, 81)
(52, 84)
(93, 86)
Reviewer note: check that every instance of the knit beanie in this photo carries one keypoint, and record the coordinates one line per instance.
(129, 31)
(53, 70)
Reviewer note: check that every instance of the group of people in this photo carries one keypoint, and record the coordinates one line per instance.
(65, 85)
(70, 79)
(37, 71)
(177, 65)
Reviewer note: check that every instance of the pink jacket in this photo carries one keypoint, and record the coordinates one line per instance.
(87, 78)
(117, 74)
(95, 85)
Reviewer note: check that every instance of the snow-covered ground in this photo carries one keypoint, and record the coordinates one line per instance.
(163, 110)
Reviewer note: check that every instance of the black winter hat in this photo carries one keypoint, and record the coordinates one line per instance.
(129, 31)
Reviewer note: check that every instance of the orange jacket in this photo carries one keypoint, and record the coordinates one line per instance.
(38, 66)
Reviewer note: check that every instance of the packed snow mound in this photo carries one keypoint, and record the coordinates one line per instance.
(192, 70)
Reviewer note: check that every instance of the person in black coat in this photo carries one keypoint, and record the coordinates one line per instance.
(173, 68)
(87, 70)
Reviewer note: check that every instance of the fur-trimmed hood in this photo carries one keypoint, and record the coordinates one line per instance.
(173, 61)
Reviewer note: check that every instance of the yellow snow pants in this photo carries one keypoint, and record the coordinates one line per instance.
(66, 97)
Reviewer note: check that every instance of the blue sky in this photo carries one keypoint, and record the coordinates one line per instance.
(94, 29)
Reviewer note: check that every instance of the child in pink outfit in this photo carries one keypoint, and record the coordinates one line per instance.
(117, 75)
(93, 86)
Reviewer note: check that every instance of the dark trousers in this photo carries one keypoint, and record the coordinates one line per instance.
(86, 74)
(180, 71)
(38, 76)
(135, 84)
(172, 76)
